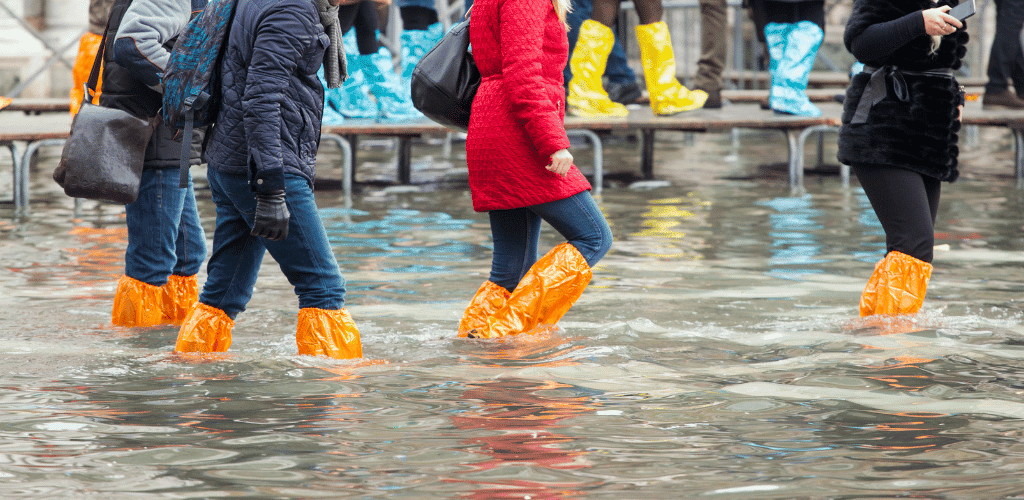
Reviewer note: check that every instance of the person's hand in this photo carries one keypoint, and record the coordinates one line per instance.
(561, 160)
(960, 116)
(271, 216)
(937, 22)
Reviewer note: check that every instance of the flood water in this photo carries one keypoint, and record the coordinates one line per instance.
(716, 354)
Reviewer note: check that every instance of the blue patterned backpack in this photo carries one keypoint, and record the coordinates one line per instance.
(192, 77)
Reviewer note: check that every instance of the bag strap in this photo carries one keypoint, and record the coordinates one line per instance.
(94, 75)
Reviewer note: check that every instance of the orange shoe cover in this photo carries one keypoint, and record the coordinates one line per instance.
(488, 300)
(544, 295)
(179, 294)
(205, 329)
(88, 46)
(897, 286)
(136, 304)
(331, 333)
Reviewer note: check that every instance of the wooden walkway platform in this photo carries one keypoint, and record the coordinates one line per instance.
(24, 134)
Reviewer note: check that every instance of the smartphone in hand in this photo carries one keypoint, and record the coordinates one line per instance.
(964, 10)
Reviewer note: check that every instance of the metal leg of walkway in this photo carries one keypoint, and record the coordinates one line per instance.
(796, 154)
(15, 173)
(26, 162)
(595, 140)
(347, 174)
(1018, 157)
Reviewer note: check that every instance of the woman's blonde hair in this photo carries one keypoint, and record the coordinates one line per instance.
(562, 7)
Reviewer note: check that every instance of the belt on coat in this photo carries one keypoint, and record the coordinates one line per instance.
(877, 89)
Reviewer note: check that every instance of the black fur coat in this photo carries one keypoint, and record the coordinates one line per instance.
(920, 132)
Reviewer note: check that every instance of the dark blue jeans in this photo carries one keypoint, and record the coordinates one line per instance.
(617, 70)
(305, 256)
(516, 233)
(1006, 58)
(164, 234)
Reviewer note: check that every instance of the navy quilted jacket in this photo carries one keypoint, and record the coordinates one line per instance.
(269, 121)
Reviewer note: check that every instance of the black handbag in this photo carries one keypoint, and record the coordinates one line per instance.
(444, 82)
(103, 156)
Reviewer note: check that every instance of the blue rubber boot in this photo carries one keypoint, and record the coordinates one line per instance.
(392, 94)
(792, 48)
(353, 99)
(331, 115)
(415, 44)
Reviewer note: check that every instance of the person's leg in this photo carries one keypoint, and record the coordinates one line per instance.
(153, 226)
(182, 288)
(906, 204)
(394, 100)
(793, 47)
(713, 46)
(1005, 57)
(554, 282)
(231, 272)
(587, 95)
(515, 234)
(307, 260)
(580, 221)
(581, 10)
(420, 32)
(668, 96)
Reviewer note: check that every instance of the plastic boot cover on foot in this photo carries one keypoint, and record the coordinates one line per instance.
(416, 44)
(792, 48)
(392, 94)
(137, 303)
(331, 333)
(544, 295)
(487, 301)
(206, 329)
(587, 96)
(897, 286)
(180, 293)
(668, 96)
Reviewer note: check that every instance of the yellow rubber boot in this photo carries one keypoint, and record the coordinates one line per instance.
(88, 46)
(137, 304)
(331, 333)
(487, 301)
(205, 329)
(897, 286)
(668, 96)
(587, 96)
(180, 293)
(545, 294)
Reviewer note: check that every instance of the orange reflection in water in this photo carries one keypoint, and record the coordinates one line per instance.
(524, 421)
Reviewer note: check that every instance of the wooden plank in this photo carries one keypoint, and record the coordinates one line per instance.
(39, 105)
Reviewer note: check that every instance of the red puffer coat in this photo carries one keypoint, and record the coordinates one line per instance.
(521, 49)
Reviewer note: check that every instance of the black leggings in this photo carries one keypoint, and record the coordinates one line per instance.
(362, 16)
(906, 204)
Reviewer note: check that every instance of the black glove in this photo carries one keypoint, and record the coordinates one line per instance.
(271, 216)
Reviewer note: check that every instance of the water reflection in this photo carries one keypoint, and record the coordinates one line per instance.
(794, 231)
(524, 415)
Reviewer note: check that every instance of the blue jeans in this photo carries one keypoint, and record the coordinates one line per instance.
(516, 233)
(617, 70)
(305, 256)
(164, 234)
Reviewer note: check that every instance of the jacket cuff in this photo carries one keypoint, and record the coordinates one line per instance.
(262, 179)
(268, 182)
